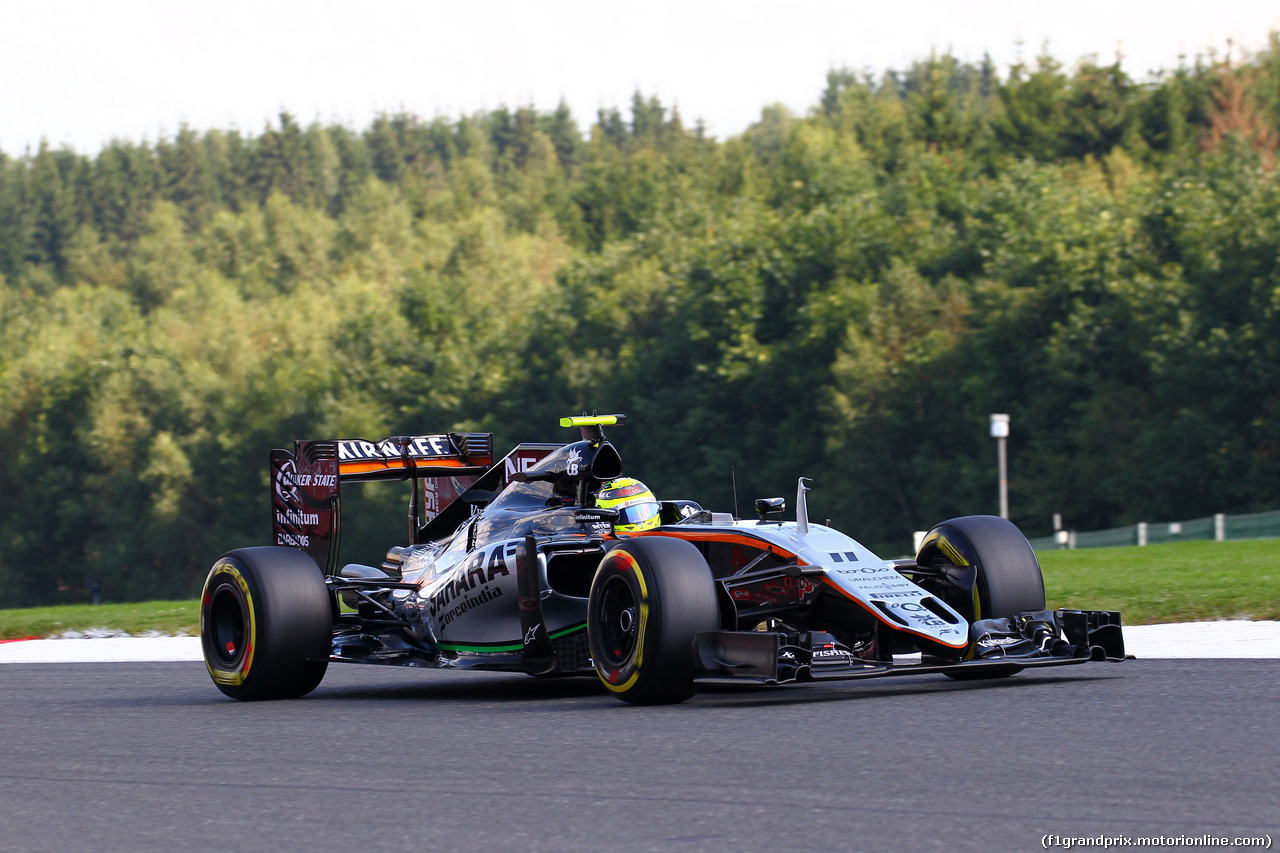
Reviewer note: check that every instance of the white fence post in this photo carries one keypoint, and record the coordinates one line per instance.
(1220, 527)
(1142, 533)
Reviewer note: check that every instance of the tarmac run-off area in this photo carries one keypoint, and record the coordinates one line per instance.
(1227, 639)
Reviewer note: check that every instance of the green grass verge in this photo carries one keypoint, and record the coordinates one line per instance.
(166, 617)
(1178, 582)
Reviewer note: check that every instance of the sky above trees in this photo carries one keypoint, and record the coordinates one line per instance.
(80, 73)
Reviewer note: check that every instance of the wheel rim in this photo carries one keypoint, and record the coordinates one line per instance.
(619, 623)
(228, 620)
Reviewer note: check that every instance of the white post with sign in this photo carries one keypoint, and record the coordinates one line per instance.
(1000, 432)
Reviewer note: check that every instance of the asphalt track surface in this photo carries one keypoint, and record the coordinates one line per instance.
(149, 756)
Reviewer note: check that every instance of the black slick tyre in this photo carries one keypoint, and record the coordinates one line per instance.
(1008, 579)
(265, 624)
(649, 598)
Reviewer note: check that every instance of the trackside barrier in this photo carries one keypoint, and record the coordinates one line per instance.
(1219, 528)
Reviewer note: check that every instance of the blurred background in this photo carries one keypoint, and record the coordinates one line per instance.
(817, 239)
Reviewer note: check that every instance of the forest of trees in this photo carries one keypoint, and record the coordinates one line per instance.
(845, 295)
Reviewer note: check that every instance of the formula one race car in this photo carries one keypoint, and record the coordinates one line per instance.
(550, 562)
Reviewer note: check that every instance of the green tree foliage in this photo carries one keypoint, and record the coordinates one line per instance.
(845, 295)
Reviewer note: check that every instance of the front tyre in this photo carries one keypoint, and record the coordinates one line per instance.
(649, 599)
(265, 624)
(1007, 574)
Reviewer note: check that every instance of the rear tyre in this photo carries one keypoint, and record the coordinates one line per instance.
(1008, 579)
(649, 598)
(265, 624)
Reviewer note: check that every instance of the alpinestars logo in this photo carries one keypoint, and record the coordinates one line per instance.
(532, 634)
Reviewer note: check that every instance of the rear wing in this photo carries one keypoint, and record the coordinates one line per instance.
(306, 506)
(398, 457)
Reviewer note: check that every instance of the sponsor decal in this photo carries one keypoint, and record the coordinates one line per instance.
(517, 465)
(575, 463)
(295, 517)
(483, 567)
(288, 480)
(870, 570)
(624, 492)
(918, 612)
(522, 460)
(486, 595)
(431, 497)
(422, 447)
(531, 634)
(287, 483)
(886, 585)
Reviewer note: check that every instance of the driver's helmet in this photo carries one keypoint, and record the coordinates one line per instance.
(637, 507)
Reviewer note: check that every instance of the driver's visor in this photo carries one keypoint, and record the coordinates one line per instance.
(638, 513)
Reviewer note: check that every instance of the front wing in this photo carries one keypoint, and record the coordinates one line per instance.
(1000, 646)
